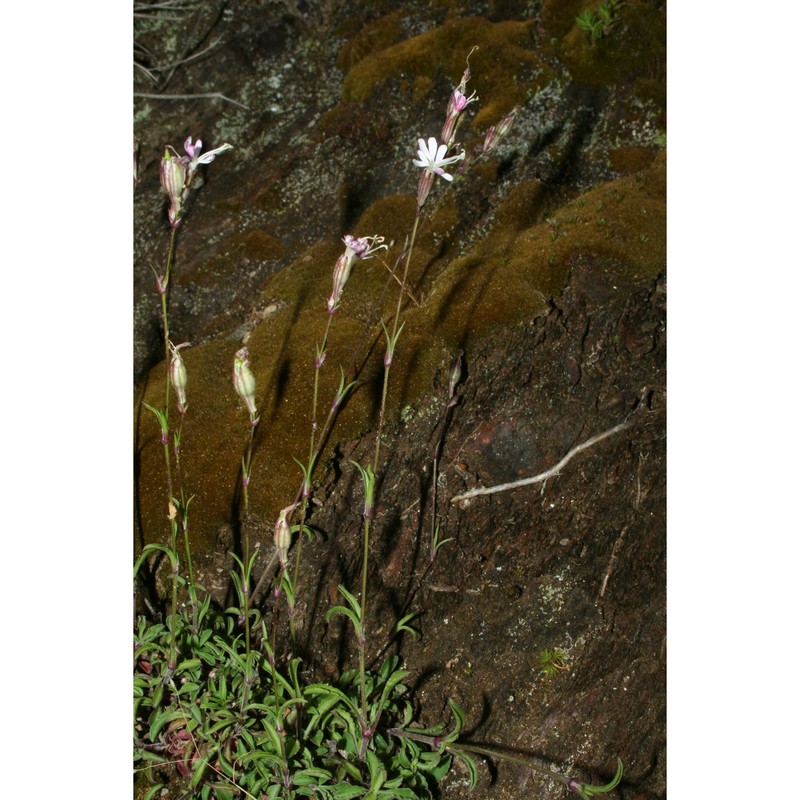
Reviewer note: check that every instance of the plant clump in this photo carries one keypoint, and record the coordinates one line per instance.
(224, 705)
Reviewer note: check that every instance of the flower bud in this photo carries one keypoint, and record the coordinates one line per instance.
(508, 120)
(424, 188)
(455, 374)
(178, 376)
(341, 272)
(491, 140)
(173, 179)
(283, 534)
(455, 106)
(354, 248)
(494, 135)
(244, 382)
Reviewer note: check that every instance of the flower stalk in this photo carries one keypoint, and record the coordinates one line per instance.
(245, 384)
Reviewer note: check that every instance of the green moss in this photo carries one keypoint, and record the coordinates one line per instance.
(372, 38)
(558, 16)
(629, 160)
(635, 48)
(503, 67)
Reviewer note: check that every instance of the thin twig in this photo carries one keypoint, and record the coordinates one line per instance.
(504, 487)
(141, 9)
(212, 95)
(612, 560)
(399, 282)
(146, 71)
(642, 459)
(183, 61)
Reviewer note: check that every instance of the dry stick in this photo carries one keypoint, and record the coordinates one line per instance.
(211, 95)
(613, 559)
(504, 487)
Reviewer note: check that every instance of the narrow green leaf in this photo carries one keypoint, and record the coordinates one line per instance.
(351, 615)
(162, 719)
(153, 791)
(470, 764)
(190, 663)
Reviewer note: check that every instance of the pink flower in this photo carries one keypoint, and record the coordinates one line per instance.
(173, 181)
(459, 101)
(354, 248)
(177, 173)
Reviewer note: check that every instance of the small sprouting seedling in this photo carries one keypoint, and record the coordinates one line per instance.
(551, 662)
(600, 23)
(553, 224)
(437, 542)
(643, 237)
(590, 24)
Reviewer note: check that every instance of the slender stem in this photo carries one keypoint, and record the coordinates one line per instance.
(246, 470)
(319, 358)
(435, 742)
(436, 456)
(184, 512)
(295, 576)
(185, 516)
(271, 659)
(393, 337)
(173, 648)
(317, 368)
(167, 463)
(362, 640)
(390, 345)
(492, 753)
(162, 290)
(325, 430)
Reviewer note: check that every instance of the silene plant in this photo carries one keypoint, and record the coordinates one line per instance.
(221, 707)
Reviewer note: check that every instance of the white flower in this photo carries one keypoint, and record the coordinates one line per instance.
(432, 158)
(194, 152)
